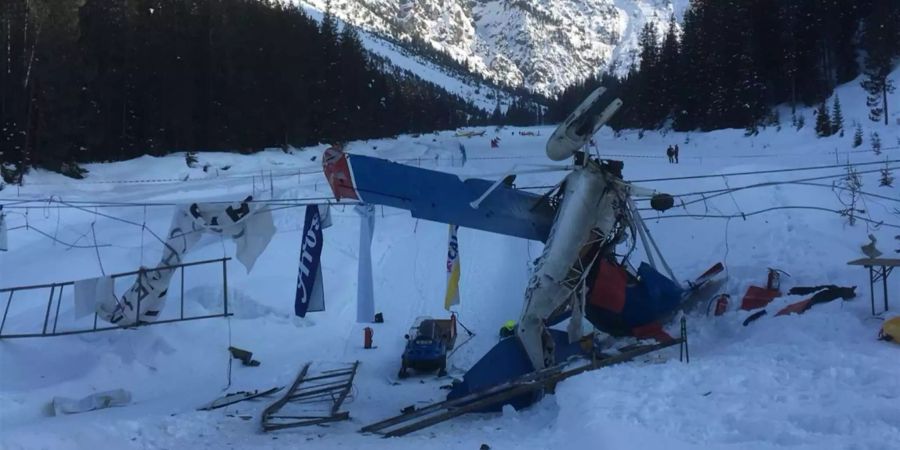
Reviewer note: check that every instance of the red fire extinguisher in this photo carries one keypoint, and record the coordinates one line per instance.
(721, 304)
(367, 337)
(453, 326)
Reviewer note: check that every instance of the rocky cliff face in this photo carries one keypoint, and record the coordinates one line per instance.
(543, 45)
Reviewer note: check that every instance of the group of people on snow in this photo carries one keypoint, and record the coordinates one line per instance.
(672, 153)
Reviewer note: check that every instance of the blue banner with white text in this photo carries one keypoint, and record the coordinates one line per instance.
(310, 295)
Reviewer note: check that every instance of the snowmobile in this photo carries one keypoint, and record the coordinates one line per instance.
(427, 344)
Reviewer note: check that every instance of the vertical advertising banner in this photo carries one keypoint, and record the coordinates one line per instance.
(452, 296)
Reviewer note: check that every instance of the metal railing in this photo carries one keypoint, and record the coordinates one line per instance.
(49, 327)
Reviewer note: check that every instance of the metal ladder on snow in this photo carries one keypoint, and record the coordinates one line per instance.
(302, 404)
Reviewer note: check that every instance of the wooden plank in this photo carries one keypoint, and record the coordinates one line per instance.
(237, 398)
(281, 426)
(885, 262)
(446, 410)
(430, 409)
(473, 406)
(448, 405)
(451, 403)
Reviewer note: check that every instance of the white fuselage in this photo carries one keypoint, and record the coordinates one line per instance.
(587, 210)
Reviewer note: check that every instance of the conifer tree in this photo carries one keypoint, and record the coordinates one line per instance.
(668, 68)
(887, 176)
(875, 140)
(113, 79)
(823, 121)
(649, 108)
(497, 115)
(858, 136)
(837, 117)
(880, 38)
(693, 71)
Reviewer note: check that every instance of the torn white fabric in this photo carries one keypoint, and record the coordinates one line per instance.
(254, 237)
(91, 292)
(325, 215)
(146, 298)
(100, 400)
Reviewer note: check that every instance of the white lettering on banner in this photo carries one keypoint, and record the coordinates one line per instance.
(310, 242)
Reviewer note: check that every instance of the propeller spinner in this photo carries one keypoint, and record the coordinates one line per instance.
(580, 126)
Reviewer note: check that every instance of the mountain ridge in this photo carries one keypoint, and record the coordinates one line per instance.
(541, 45)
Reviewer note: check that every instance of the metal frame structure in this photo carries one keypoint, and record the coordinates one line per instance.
(306, 394)
(879, 269)
(56, 290)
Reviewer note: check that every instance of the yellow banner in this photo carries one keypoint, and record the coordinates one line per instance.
(452, 296)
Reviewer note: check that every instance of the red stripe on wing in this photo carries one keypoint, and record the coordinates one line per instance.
(337, 170)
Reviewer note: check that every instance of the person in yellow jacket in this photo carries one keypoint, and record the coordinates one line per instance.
(890, 330)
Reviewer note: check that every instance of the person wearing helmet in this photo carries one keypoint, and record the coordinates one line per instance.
(508, 329)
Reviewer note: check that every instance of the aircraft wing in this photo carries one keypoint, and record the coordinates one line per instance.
(438, 196)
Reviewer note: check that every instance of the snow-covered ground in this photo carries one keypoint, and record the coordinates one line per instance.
(818, 380)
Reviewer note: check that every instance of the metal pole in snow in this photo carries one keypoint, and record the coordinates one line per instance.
(365, 297)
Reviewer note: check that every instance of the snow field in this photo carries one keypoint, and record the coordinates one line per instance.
(819, 380)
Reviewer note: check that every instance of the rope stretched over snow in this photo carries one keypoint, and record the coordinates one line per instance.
(733, 174)
(330, 200)
(298, 201)
(800, 181)
(774, 208)
(48, 236)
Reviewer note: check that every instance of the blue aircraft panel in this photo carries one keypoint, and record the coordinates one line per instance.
(444, 197)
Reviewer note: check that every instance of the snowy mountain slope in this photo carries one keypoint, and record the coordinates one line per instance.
(480, 94)
(542, 45)
(818, 380)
